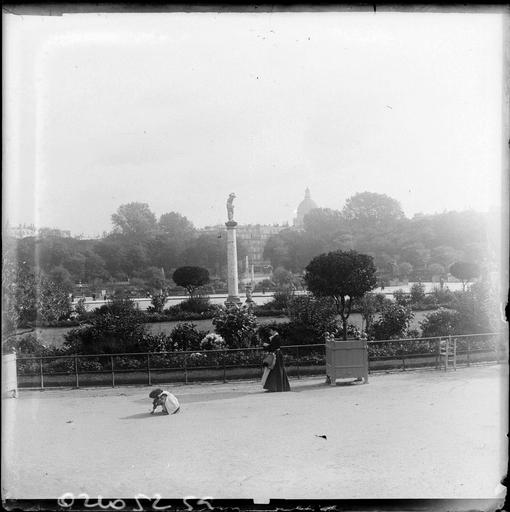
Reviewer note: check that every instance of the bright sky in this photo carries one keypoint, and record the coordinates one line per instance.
(178, 110)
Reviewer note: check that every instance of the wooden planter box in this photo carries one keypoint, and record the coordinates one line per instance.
(346, 359)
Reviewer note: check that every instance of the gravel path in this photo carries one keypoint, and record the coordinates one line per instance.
(420, 434)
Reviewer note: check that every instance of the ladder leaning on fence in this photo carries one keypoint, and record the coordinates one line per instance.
(448, 353)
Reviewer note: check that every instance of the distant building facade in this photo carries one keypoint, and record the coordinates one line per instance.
(25, 231)
(22, 231)
(254, 238)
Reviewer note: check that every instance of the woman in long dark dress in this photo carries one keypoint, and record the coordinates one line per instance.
(277, 378)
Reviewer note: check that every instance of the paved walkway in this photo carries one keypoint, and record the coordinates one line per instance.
(420, 434)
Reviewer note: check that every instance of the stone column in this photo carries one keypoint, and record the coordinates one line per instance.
(232, 278)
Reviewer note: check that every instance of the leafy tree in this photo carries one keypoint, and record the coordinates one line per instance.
(315, 313)
(291, 250)
(369, 305)
(154, 278)
(94, 267)
(465, 271)
(112, 249)
(19, 295)
(116, 327)
(61, 277)
(344, 276)
(393, 323)
(52, 252)
(27, 345)
(283, 278)
(53, 301)
(176, 226)
(185, 336)
(236, 325)
(158, 301)
(366, 209)
(134, 219)
(417, 293)
(191, 278)
(418, 256)
(280, 301)
(436, 269)
(401, 297)
(404, 270)
(442, 322)
(478, 309)
(328, 229)
(209, 250)
(445, 255)
(264, 285)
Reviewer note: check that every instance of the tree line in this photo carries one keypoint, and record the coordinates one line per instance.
(40, 272)
(140, 249)
(416, 249)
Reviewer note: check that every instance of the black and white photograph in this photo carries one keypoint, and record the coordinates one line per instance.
(255, 254)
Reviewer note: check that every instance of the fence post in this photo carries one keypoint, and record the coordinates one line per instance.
(448, 341)
(185, 369)
(438, 353)
(42, 373)
(76, 371)
(113, 373)
(224, 369)
(297, 358)
(403, 364)
(468, 351)
(149, 369)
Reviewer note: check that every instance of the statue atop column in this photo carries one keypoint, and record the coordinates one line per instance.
(232, 278)
(230, 206)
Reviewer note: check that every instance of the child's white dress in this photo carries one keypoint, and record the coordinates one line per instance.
(169, 402)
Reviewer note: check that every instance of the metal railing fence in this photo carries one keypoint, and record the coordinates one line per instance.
(185, 366)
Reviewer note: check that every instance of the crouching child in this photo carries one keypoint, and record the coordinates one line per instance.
(165, 399)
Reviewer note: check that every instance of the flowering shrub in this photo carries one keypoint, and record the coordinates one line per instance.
(160, 342)
(352, 333)
(157, 303)
(213, 341)
(186, 336)
(237, 326)
(393, 323)
(316, 313)
(401, 297)
(196, 359)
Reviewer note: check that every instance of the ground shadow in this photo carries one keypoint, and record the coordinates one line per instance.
(324, 385)
(141, 416)
(207, 397)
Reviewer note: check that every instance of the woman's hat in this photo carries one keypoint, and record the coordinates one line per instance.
(155, 393)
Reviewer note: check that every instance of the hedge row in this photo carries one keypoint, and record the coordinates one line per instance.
(307, 356)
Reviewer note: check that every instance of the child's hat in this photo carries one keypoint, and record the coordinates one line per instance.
(155, 393)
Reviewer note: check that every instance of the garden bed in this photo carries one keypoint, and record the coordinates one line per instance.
(232, 372)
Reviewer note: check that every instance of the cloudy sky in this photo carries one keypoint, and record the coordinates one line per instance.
(178, 110)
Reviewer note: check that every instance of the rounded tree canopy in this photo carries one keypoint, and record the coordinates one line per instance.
(370, 208)
(340, 274)
(191, 277)
(464, 270)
